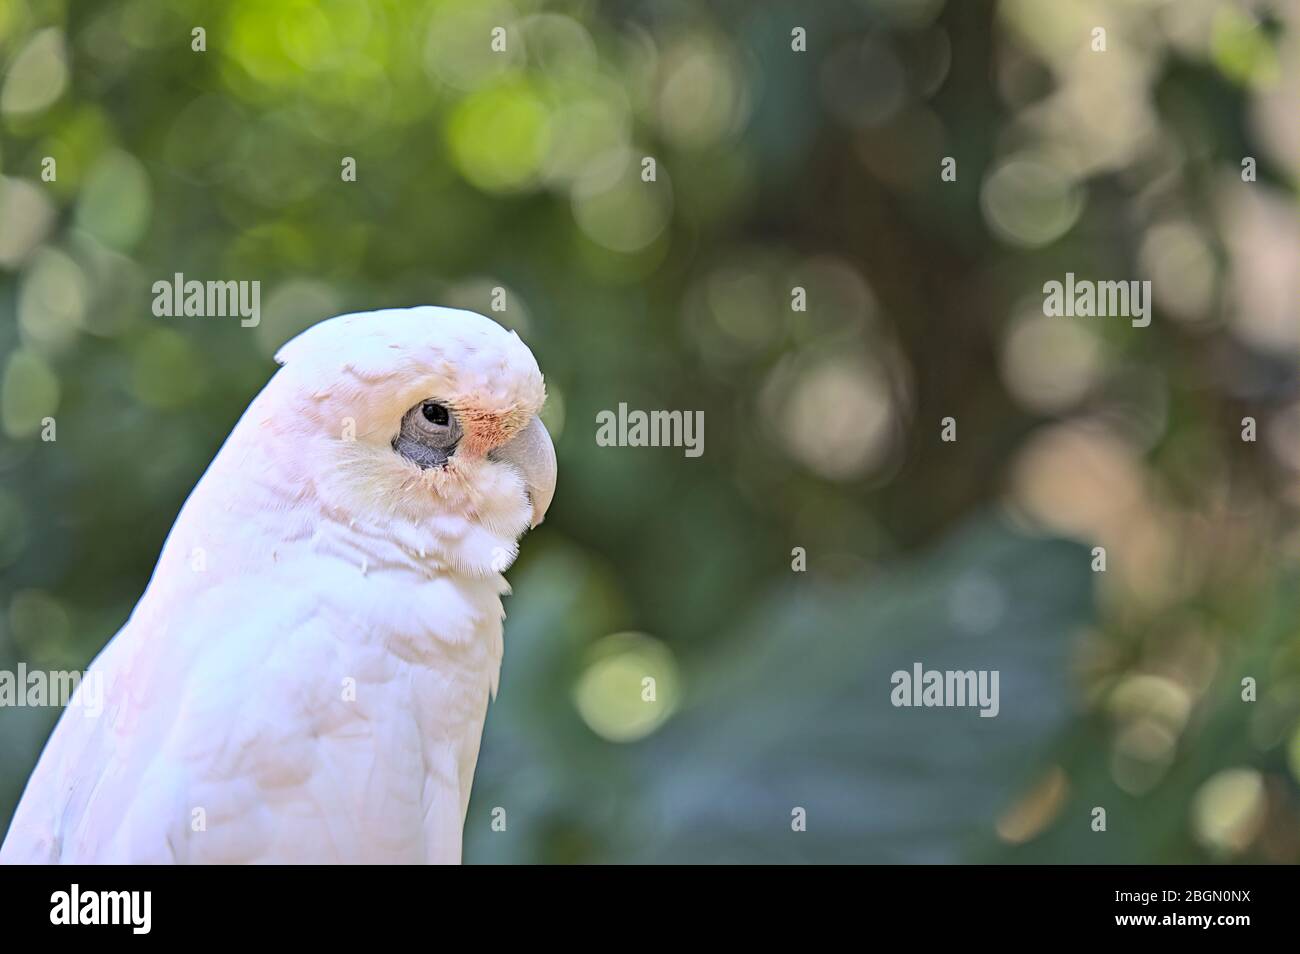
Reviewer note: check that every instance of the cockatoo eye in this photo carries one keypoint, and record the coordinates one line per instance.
(428, 435)
(435, 413)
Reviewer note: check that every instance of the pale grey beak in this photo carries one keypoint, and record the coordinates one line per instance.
(533, 455)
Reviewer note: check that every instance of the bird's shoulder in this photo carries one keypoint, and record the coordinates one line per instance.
(258, 688)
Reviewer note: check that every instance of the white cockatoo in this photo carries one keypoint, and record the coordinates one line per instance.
(306, 676)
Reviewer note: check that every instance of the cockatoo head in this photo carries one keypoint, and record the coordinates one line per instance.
(421, 424)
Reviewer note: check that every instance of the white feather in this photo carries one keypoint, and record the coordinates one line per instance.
(317, 692)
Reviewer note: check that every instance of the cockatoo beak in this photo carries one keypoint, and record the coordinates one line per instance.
(533, 455)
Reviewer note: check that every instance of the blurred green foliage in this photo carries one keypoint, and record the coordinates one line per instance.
(775, 168)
